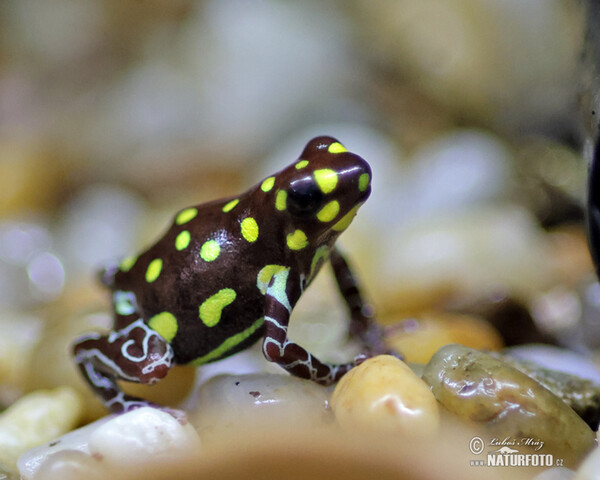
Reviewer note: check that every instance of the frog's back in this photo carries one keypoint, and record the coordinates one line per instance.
(202, 285)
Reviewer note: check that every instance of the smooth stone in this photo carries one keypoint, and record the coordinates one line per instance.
(143, 437)
(557, 473)
(558, 359)
(383, 394)
(130, 444)
(418, 338)
(470, 253)
(590, 468)
(234, 402)
(50, 454)
(482, 389)
(563, 373)
(37, 418)
(70, 465)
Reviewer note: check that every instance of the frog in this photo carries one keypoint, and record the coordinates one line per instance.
(228, 273)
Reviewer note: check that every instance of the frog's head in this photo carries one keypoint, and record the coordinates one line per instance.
(318, 195)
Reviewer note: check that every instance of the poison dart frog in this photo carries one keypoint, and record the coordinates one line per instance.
(228, 273)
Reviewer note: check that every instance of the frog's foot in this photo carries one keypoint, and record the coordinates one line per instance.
(295, 359)
(135, 353)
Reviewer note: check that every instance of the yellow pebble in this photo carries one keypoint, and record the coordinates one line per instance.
(153, 270)
(329, 211)
(185, 216)
(383, 394)
(36, 418)
(267, 184)
(211, 308)
(249, 229)
(326, 179)
(430, 332)
(297, 240)
(210, 250)
(165, 324)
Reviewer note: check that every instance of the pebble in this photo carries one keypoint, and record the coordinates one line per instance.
(506, 402)
(226, 402)
(590, 468)
(558, 359)
(418, 338)
(472, 252)
(131, 444)
(557, 473)
(453, 52)
(19, 335)
(37, 418)
(561, 378)
(28, 179)
(384, 395)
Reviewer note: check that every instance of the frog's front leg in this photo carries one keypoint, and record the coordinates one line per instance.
(362, 324)
(135, 353)
(279, 349)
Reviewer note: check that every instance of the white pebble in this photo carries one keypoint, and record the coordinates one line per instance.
(137, 440)
(141, 437)
(51, 453)
(590, 468)
(229, 402)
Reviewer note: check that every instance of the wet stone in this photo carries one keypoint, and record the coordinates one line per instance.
(582, 395)
(383, 394)
(419, 337)
(507, 403)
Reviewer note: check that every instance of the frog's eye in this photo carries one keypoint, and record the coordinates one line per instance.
(304, 197)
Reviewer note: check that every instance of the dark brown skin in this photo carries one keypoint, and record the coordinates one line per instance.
(229, 272)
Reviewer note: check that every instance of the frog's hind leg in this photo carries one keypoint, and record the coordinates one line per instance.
(135, 353)
(279, 349)
(362, 324)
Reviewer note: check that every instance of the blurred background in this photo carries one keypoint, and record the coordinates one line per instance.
(475, 116)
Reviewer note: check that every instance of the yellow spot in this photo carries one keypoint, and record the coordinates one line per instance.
(249, 229)
(264, 276)
(336, 147)
(329, 211)
(280, 200)
(363, 182)
(345, 221)
(326, 179)
(183, 240)
(267, 184)
(185, 215)
(127, 263)
(211, 308)
(153, 270)
(229, 343)
(165, 324)
(230, 205)
(301, 164)
(210, 250)
(297, 240)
